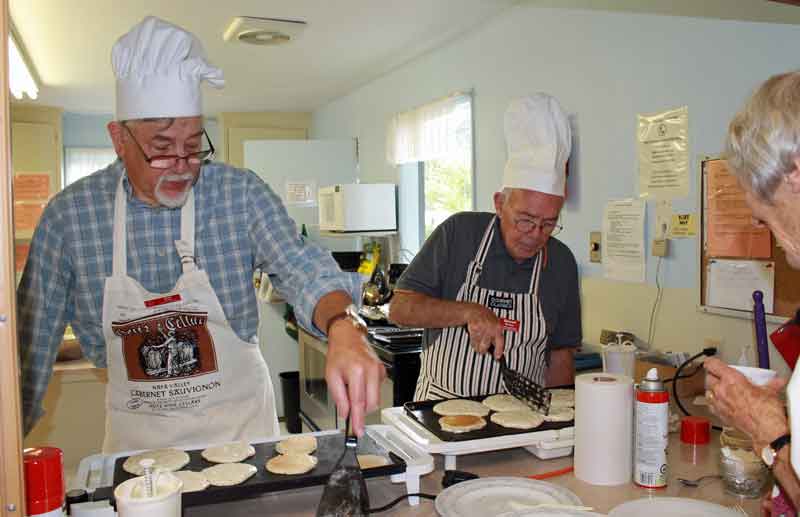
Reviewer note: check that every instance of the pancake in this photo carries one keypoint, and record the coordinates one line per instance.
(165, 459)
(301, 444)
(461, 423)
(504, 403)
(192, 481)
(229, 453)
(370, 461)
(562, 414)
(229, 474)
(291, 464)
(525, 419)
(460, 407)
(562, 398)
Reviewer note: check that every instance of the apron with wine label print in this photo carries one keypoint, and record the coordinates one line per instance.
(177, 372)
(452, 368)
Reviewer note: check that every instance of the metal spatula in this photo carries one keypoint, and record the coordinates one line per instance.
(345, 495)
(533, 394)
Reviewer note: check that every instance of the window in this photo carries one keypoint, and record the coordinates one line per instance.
(437, 138)
(82, 161)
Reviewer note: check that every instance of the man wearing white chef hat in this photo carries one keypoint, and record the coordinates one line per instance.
(151, 261)
(500, 280)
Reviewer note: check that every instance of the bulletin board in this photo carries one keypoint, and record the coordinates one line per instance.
(730, 241)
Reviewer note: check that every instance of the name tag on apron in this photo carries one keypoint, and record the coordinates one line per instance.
(155, 302)
(507, 324)
(501, 302)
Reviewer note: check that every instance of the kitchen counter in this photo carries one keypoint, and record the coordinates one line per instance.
(685, 461)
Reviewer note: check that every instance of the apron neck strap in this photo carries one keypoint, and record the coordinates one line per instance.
(185, 245)
(474, 270)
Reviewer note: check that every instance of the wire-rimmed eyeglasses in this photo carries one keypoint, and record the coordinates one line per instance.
(169, 161)
(546, 226)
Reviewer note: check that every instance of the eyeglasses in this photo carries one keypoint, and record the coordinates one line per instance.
(171, 160)
(528, 225)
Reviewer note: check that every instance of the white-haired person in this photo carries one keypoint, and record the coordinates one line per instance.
(763, 151)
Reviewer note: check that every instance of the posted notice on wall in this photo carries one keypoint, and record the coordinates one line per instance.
(623, 240)
(664, 154)
(730, 231)
(31, 186)
(303, 193)
(683, 226)
(730, 283)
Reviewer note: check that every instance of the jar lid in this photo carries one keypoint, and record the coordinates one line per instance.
(44, 479)
(695, 430)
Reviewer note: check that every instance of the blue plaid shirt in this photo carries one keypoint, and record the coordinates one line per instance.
(240, 225)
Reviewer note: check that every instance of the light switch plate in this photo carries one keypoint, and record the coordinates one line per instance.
(595, 251)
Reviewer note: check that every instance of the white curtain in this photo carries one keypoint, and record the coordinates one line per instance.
(82, 161)
(432, 131)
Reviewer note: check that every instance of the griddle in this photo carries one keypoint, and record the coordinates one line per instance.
(422, 412)
(329, 450)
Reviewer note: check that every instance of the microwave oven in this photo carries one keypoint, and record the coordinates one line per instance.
(358, 207)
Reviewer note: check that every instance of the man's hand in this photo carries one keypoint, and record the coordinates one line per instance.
(353, 372)
(755, 410)
(485, 330)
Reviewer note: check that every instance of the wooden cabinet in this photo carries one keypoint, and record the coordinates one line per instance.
(36, 151)
(237, 127)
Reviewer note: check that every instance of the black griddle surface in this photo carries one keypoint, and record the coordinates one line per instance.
(422, 412)
(329, 449)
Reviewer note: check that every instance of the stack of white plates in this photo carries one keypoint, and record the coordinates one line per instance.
(670, 507)
(507, 497)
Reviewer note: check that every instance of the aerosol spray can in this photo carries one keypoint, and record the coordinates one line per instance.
(651, 428)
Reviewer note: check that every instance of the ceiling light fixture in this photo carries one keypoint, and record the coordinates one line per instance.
(263, 31)
(21, 80)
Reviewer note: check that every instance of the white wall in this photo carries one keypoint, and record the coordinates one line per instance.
(605, 68)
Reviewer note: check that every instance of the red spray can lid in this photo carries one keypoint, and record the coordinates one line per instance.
(44, 479)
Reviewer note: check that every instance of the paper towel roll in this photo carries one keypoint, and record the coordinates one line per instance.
(603, 428)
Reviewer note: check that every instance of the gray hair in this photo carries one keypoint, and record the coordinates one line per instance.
(764, 137)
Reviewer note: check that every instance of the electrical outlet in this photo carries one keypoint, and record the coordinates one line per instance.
(660, 247)
(595, 253)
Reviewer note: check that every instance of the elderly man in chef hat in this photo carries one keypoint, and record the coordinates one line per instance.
(163, 243)
(500, 279)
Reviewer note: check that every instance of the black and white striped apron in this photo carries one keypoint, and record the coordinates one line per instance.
(452, 368)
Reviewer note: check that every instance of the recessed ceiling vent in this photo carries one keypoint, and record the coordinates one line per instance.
(263, 31)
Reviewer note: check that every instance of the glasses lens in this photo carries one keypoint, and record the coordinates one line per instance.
(557, 230)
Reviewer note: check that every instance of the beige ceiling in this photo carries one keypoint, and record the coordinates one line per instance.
(346, 43)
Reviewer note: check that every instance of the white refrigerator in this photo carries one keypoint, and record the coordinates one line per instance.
(295, 169)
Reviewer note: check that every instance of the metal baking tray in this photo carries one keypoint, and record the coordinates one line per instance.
(329, 449)
(422, 413)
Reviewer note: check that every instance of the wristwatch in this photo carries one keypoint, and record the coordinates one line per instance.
(770, 452)
(350, 313)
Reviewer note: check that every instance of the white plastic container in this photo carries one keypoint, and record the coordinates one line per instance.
(132, 500)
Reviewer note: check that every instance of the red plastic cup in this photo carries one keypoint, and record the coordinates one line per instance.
(695, 430)
(44, 479)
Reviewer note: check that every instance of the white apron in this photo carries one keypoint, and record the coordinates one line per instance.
(177, 372)
(450, 367)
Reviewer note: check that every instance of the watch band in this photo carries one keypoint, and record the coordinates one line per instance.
(778, 443)
(351, 313)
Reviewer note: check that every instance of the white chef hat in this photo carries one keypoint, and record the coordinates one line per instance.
(539, 141)
(159, 67)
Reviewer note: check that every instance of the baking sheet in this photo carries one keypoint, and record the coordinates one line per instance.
(422, 412)
(329, 448)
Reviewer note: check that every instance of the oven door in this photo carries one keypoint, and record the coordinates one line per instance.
(316, 404)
